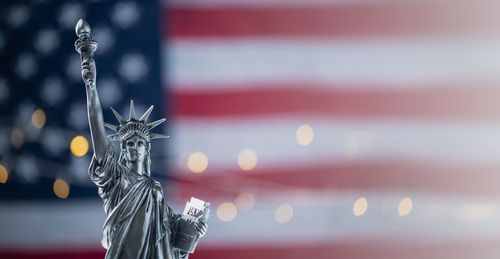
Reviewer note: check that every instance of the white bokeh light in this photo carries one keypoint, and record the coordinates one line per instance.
(53, 91)
(17, 15)
(27, 168)
(104, 37)
(133, 67)
(53, 142)
(69, 15)
(74, 68)
(110, 92)
(46, 41)
(24, 112)
(77, 116)
(125, 14)
(78, 168)
(26, 66)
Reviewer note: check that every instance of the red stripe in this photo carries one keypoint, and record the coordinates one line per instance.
(371, 19)
(470, 103)
(362, 249)
(365, 176)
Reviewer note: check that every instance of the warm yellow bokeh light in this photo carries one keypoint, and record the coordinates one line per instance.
(197, 162)
(283, 213)
(245, 201)
(304, 135)
(4, 175)
(38, 118)
(226, 211)
(79, 146)
(61, 189)
(360, 206)
(247, 159)
(17, 138)
(405, 206)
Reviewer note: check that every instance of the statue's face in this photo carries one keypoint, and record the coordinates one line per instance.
(135, 149)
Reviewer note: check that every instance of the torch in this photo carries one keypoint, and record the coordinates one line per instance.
(85, 45)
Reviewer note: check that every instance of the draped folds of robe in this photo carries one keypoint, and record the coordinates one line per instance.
(139, 224)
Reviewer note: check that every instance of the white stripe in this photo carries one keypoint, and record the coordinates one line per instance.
(47, 225)
(211, 65)
(317, 216)
(288, 3)
(274, 141)
(320, 217)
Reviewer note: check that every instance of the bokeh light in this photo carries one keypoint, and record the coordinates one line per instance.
(247, 159)
(61, 189)
(226, 211)
(405, 206)
(360, 206)
(304, 135)
(245, 201)
(38, 118)
(283, 213)
(4, 175)
(477, 211)
(79, 146)
(17, 138)
(197, 162)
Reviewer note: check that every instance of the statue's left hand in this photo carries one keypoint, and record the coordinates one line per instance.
(201, 227)
(88, 71)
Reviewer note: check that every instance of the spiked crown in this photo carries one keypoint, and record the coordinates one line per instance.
(132, 126)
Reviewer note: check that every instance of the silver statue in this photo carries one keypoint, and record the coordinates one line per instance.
(139, 223)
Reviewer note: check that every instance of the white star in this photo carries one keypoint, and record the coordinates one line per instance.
(104, 38)
(53, 91)
(74, 68)
(46, 41)
(23, 119)
(78, 169)
(24, 112)
(109, 91)
(133, 67)
(27, 169)
(17, 16)
(70, 14)
(52, 141)
(25, 66)
(125, 14)
(77, 116)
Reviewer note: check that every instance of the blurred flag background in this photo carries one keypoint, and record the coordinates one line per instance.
(316, 128)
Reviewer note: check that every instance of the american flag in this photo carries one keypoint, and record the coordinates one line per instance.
(316, 128)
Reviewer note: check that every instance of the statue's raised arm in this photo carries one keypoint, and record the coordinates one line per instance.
(86, 46)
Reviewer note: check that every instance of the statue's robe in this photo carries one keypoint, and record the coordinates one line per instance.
(139, 224)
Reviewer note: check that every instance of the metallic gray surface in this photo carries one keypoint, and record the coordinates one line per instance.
(139, 223)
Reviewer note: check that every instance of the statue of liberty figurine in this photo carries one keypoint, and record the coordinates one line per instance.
(139, 223)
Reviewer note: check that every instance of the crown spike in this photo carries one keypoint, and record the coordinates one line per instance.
(146, 114)
(114, 137)
(111, 126)
(155, 123)
(157, 135)
(118, 116)
(132, 110)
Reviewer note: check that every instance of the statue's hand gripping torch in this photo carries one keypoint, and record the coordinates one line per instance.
(86, 46)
